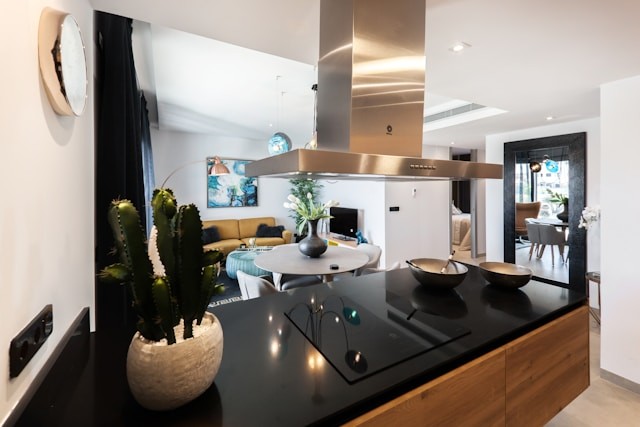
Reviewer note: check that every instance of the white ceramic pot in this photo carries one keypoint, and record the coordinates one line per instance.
(163, 377)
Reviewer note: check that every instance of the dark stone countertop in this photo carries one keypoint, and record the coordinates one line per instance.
(271, 374)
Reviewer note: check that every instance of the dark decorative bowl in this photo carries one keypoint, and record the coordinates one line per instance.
(504, 274)
(428, 272)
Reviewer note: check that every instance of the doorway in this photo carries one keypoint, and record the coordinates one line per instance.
(463, 225)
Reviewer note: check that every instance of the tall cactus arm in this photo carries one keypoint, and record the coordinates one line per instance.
(115, 273)
(154, 255)
(162, 299)
(208, 288)
(189, 234)
(164, 209)
(130, 244)
(212, 256)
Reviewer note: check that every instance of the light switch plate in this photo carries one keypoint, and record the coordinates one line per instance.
(29, 340)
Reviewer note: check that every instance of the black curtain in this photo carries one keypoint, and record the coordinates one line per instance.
(121, 131)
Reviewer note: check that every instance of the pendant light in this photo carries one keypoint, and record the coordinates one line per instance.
(280, 142)
(313, 142)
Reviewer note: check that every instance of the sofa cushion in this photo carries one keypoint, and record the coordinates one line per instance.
(267, 231)
(210, 235)
(224, 246)
(247, 226)
(227, 228)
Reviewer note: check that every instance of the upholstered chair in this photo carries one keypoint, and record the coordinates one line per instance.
(524, 211)
(253, 286)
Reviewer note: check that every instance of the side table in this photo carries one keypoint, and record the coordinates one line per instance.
(242, 259)
(594, 276)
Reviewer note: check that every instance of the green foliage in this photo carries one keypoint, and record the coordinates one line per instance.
(558, 197)
(172, 277)
(300, 188)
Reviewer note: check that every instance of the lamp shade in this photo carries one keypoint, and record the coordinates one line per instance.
(279, 143)
(218, 168)
(535, 167)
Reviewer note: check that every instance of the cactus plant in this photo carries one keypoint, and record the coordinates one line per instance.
(170, 278)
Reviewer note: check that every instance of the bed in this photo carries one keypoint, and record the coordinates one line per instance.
(461, 231)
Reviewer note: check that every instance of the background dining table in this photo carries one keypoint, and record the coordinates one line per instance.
(287, 259)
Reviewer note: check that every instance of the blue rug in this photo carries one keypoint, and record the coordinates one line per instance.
(231, 291)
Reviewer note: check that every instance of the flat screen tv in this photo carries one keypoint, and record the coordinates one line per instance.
(344, 221)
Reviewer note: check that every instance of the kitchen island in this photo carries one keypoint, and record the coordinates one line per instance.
(395, 352)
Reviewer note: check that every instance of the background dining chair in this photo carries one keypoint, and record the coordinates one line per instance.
(373, 252)
(550, 235)
(533, 234)
(524, 211)
(394, 266)
(254, 286)
(292, 281)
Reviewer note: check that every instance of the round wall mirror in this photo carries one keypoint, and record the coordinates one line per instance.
(62, 62)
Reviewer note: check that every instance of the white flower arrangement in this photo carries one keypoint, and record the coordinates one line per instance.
(590, 215)
(308, 210)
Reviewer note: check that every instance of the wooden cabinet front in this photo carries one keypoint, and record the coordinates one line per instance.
(472, 395)
(547, 369)
(524, 383)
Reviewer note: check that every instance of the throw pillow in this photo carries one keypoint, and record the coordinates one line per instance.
(266, 231)
(210, 235)
(455, 210)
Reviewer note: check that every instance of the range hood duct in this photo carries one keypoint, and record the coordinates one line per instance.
(371, 86)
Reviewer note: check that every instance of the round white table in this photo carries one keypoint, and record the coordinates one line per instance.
(287, 259)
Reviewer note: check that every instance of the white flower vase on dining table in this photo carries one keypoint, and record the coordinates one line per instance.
(312, 246)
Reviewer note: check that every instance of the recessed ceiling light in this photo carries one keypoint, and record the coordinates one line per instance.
(459, 47)
(453, 143)
(550, 117)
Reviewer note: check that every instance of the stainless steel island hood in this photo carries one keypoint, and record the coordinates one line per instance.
(371, 86)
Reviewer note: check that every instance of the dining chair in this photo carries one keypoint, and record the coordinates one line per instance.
(373, 252)
(550, 235)
(533, 234)
(394, 266)
(254, 286)
(292, 281)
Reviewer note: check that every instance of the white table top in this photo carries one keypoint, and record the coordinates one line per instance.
(551, 221)
(287, 259)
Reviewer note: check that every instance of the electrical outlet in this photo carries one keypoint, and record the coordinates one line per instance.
(29, 340)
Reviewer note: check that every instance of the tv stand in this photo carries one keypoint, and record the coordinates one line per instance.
(341, 237)
(339, 240)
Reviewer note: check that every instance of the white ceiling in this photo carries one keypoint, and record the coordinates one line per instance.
(212, 65)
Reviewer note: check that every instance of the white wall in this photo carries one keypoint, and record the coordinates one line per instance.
(481, 208)
(620, 330)
(421, 228)
(494, 199)
(47, 215)
(172, 150)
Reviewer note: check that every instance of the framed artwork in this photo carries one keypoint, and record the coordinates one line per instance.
(233, 190)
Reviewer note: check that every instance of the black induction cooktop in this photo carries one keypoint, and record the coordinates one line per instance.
(359, 343)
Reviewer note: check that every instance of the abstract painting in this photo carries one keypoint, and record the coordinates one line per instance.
(233, 190)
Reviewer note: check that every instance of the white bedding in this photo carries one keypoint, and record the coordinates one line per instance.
(461, 231)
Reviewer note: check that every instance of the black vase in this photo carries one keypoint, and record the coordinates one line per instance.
(312, 245)
(564, 215)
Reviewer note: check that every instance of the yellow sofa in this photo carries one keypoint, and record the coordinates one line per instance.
(234, 232)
